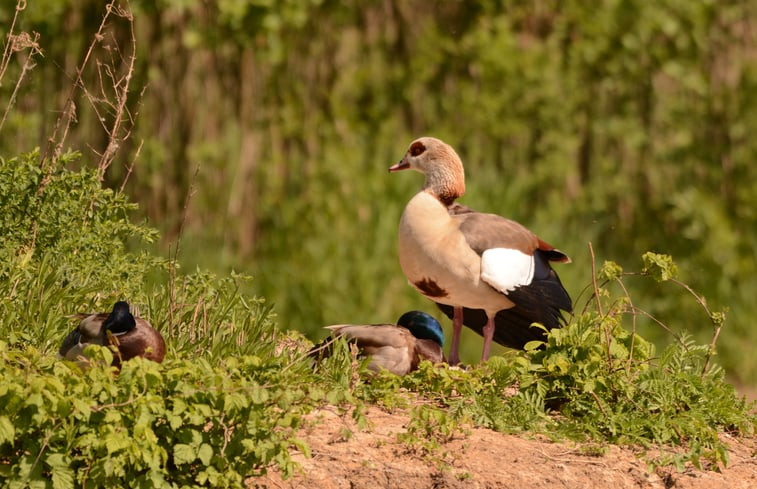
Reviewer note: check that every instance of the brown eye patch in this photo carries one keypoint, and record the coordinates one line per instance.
(417, 148)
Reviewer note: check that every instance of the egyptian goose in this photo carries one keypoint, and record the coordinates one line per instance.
(398, 349)
(130, 336)
(485, 271)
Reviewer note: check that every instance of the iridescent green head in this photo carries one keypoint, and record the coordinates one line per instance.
(423, 326)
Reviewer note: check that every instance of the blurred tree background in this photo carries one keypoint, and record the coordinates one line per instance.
(264, 130)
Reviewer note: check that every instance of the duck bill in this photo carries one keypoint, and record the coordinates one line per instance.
(402, 165)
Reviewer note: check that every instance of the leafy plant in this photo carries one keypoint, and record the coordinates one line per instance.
(68, 217)
(186, 422)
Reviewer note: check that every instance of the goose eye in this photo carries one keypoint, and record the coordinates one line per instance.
(417, 148)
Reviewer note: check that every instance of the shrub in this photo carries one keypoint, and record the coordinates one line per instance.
(187, 422)
(224, 406)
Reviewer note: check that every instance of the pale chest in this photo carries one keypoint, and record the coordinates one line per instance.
(437, 260)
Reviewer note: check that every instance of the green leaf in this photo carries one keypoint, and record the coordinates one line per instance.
(183, 454)
(234, 402)
(82, 409)
(115, 442)
(610, 271)
(205, 453)
(258, 394)
(62, 474)
(658, 266)
(7, 430)
(618, 350)
(533, 345)
(559, 362)
(718, 317)
(303, 446)
(174, 421)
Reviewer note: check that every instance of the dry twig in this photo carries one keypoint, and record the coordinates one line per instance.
(18, 43)
(62, 124)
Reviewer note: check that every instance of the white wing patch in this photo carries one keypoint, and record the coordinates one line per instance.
(505, 269)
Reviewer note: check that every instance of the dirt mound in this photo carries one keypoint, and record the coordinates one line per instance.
(486, 459)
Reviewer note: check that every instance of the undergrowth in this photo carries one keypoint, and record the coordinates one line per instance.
(224, 406)
(187, 422)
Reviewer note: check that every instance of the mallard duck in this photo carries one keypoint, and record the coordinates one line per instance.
(484, 271)
(132, 336)
(397, 348)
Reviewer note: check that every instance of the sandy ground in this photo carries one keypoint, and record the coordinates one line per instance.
(485, 459)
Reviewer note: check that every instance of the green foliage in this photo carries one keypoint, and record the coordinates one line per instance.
(63, 248)
(659, 267)
(206, 315)
(183, 423)
(610, 271)
(429, 428)
(48, 271)
(631, 122)
(230, 397)
(66, 219)
(225, 405)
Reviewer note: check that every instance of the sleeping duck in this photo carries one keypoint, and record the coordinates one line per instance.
(131, 336)
(398, 349)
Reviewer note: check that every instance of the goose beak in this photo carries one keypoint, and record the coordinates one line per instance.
(402, 165)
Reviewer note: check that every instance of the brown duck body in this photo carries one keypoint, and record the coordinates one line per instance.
(140, 340)
(390, 347)
(399, 348)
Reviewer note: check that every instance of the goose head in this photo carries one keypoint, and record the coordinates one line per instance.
(438, 161)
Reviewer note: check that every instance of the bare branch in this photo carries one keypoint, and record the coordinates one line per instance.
(10, 45)
(599, 306)
(173, 260)
(55, 142)
(121, 89)
(131, 166)
(594, 280)
(633, 323)
(18, 43)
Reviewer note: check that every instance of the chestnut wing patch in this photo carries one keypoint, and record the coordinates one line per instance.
(429, 288)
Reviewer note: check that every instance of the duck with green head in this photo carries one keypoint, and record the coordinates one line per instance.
(129, 335)
(397, 348)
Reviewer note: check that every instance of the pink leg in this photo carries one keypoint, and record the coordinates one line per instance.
(488, 335)
(457, 327)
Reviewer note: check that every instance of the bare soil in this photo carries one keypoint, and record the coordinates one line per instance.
(486, 459)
